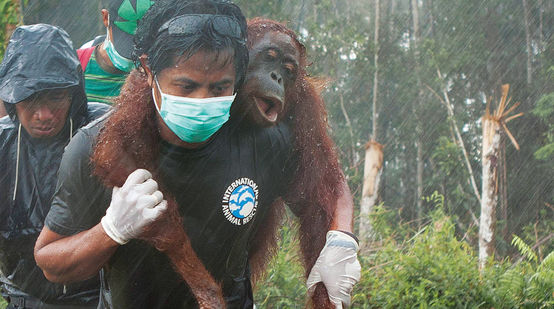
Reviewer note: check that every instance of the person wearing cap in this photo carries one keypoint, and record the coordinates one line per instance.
(106, 63)
(46, 105)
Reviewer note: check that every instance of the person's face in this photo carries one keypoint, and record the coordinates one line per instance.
(204, 75)
(44, 113)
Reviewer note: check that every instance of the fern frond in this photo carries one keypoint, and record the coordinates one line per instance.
(524, 249)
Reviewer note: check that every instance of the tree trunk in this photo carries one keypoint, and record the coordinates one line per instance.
(541, 36)
(374, 152)
(503, 189)
(419, 129)
(490, 157)
(489, 194)
(354, 156)
(528, 41)
(375, 116)
(372, 171)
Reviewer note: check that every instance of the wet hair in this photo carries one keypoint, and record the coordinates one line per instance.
(164, 49)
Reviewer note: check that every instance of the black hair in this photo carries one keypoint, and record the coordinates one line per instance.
(113, 7)
(162, 48)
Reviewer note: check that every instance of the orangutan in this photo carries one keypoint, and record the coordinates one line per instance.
(277, 88)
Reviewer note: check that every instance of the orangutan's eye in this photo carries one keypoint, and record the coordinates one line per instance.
(271, 54)
(290, 69)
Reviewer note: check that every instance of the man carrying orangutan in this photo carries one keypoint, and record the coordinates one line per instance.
(170, 132)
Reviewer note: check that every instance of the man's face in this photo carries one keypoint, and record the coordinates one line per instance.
(204, 75)
(44, 113)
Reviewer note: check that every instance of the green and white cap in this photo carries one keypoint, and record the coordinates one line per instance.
(124, 15)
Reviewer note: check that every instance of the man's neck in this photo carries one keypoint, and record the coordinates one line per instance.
(104, 61)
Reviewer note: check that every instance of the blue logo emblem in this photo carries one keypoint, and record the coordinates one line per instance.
(240, 201)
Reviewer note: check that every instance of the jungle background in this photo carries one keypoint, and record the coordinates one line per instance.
(419, 86)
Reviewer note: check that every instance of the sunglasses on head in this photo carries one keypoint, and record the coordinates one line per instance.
(192, 24)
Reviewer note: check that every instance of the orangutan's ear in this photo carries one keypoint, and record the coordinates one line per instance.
(144, 64)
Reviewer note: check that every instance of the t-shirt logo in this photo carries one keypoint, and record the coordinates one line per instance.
(240, 201)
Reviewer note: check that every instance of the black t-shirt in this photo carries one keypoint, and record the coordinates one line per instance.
(223, 189)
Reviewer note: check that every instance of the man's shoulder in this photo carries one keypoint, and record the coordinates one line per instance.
(85, 137)
(96, 110)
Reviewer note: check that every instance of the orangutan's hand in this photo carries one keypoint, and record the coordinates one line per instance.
(337, 267)
(136, 204)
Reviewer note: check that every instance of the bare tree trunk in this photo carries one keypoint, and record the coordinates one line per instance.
(374, 151)
(493, 123)
(392, 12)
(354, 154)
(375, 115)
(489, 194)
(503, 189)
(528, 41)
(419, 129)
(372, 173)
(541, 36)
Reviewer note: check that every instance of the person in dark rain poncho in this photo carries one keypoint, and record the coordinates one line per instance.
(41, 86)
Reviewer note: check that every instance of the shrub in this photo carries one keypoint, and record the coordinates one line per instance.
(429, 268)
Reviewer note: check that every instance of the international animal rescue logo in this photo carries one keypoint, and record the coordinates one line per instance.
(240, 201)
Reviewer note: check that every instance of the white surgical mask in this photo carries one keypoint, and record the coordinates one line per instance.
(193, 120)
(120, 62)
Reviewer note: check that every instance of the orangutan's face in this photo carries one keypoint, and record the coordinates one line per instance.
(272, 71)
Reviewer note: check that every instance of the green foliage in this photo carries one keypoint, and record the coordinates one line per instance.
(9, 17)
(524, 285)
(283, 286)
(427, 268)
(524, 249)
(431, 270)
(381, 217)
(545, 111)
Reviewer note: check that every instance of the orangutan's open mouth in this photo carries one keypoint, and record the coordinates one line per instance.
(269, 107)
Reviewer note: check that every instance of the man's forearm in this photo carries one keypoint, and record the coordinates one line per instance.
(73, 258)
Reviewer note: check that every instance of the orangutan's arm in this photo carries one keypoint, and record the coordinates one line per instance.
(343, 217)
(73, 258)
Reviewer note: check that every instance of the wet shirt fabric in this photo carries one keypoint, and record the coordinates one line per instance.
(101, 86)
(223, 189)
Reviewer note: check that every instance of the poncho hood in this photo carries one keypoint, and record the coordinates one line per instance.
(41, 57)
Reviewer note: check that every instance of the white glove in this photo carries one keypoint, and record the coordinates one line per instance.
(337, 267)
(136, 204)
